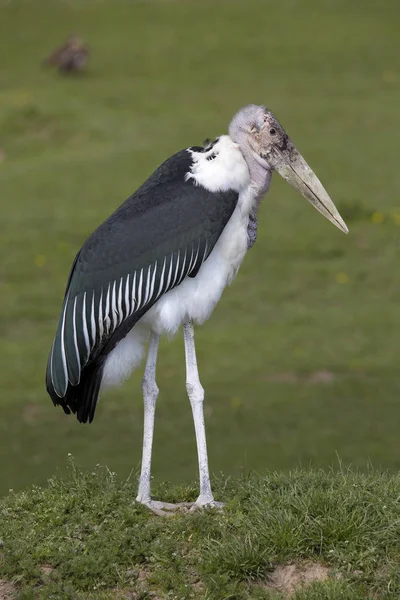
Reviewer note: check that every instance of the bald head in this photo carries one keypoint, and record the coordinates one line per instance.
(248, 117)
(266, 146)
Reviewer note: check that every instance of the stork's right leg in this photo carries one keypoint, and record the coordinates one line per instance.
(150, 393)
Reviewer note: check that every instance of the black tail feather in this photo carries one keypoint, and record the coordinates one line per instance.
(80, 399)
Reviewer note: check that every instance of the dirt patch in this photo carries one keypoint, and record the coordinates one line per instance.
(138, 576)
(316, 377)
(46, 570)
(126, 594)
(123, 594)
(7, 590)
(288, 579)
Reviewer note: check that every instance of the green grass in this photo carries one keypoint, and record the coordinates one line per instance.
(84, 537)
(164, 75)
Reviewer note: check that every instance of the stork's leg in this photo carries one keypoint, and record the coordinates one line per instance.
(196, 396)
(150, 394)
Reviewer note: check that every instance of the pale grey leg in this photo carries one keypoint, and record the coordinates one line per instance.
(196, 396)
(150, 393)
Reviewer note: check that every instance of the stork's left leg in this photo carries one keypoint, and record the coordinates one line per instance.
(196, 396)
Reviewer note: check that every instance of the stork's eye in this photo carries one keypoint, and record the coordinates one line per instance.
(272, 131)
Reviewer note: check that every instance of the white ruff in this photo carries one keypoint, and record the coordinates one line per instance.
(195, 298)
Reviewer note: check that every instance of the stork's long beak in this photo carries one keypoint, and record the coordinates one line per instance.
(290, 165)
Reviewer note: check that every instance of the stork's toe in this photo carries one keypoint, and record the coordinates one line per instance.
(167, 509)
(202, 503)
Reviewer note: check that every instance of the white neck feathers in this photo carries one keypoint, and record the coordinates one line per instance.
(221, 168)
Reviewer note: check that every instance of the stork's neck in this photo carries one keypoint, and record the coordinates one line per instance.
(260, 177)
(260, 173)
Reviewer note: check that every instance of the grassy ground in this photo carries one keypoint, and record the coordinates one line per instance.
(163, 76)
(84, 538)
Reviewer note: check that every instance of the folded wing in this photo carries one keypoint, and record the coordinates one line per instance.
(160, 235)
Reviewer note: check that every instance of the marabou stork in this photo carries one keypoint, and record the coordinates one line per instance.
(162, 260)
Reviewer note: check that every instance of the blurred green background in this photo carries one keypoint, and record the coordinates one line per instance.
(300, 359)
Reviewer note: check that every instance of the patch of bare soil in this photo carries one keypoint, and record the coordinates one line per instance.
(138, 577)
(126, 594)
(123, 594)
(288, 579)
(46, 570)
(7, 590)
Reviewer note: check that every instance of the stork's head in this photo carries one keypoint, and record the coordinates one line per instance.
(266, 144)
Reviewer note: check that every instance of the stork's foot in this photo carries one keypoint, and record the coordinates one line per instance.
(167, 509)
(205, 502)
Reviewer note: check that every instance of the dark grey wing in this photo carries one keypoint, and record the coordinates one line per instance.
(160, 235)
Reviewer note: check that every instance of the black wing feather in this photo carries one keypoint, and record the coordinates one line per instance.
(156, 238)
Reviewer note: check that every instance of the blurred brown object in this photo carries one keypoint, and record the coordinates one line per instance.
(71, 57)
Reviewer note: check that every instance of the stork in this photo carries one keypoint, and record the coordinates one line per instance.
(162, 260)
